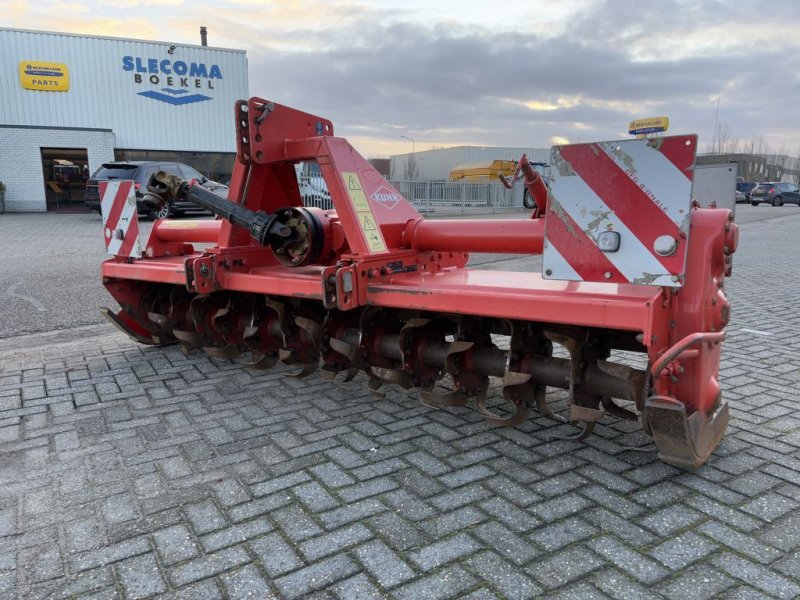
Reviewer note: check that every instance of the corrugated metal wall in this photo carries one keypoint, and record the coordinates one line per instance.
(104, 95)
(436, 164)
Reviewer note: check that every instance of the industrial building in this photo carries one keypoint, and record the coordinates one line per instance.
(758, 167)
(69, 103)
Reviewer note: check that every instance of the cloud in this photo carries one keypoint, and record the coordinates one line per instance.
(577, 69)
(514, 89)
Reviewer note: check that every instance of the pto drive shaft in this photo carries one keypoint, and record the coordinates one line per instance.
(263, 227)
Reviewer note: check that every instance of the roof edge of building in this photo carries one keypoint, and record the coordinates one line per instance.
(123, 39)
(58, 127)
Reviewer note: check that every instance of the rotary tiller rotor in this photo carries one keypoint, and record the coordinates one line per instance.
(411, 349)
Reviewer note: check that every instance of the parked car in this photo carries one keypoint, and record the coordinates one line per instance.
(313, 189)
(740, 196)
(776, 193)
(139, 172)
(745, 187)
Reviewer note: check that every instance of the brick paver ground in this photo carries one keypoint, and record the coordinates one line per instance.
(129, 472)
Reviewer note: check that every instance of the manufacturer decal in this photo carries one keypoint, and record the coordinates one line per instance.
(389, 198)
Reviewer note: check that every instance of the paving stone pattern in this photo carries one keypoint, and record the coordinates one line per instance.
(131, 472)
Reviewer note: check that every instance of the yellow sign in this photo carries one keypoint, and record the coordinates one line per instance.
(44, 76)
(651, 125)
(366, 220)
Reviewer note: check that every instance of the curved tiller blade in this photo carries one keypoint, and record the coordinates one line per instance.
(519, 416)
(586, 430)
(261, 361)
(160, 320)
(222, 352)
(442, 399)
(191, 338)
(306, 370)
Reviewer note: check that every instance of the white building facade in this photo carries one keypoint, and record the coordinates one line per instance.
(70, 103)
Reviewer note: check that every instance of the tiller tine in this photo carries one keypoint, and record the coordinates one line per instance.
(518, 389)
(518, 386)
(615, 410)
(587, 427)
(261, 361)
(470, 338)
(311, 327)
(191, 339)
(459, 346)
(444, 399)
(395, 376)
(288, 357)
(307, 370)
(519, 416)
(510, 378)
(161, 320)
(328, 374)
(222, 352)
(331, 370)
(418, 335)
(374, 384)
(347, 350)
(586, 417)
(544, 410)
(684, 441)
(248, 335)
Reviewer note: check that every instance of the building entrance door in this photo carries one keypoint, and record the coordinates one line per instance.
(65, 173)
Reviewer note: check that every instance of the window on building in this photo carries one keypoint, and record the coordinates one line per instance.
(217, 166)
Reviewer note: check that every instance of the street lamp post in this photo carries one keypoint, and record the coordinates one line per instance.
(413, 144)
(412, 164)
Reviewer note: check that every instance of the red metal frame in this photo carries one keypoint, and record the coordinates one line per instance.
(408, 262)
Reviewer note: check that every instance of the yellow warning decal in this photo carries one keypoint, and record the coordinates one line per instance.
(353, 182)
(360, 201)
(366, 220)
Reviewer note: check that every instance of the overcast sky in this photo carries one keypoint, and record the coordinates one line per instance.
(507, 73)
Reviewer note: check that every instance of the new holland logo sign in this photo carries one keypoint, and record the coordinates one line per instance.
(44, 76)
(651, 125)
(181, 80)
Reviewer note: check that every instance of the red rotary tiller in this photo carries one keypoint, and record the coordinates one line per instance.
(629, 263)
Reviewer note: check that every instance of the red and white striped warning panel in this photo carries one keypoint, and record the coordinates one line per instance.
(619, 211)
(120, 219)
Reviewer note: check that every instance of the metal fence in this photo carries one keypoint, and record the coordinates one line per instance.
(436, 197)
(441, 197)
